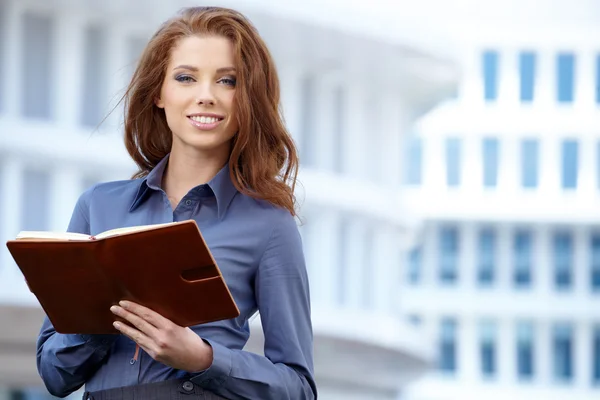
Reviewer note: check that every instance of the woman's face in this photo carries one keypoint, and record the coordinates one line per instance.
(197, 95)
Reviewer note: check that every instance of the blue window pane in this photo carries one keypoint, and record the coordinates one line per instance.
(563, 352)
(490, 162)
(447, 343)
(596, 356)
(488, 348)
(563, 260)
(522, 248)
(453, 162)
(448, 255)
(37, 71)
(414, 157)
(414, 265)
(490, 75)
(565, 74)
(36, 199)
(525, 350)
(527, 71)
(529, 163)
(487, 256)
(595, 263)
(569, 164)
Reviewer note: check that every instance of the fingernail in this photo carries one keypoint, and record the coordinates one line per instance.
(114, 309)
(117, 325)
(123, 303)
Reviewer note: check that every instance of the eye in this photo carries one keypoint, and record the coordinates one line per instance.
(229, 81)
(184, 78)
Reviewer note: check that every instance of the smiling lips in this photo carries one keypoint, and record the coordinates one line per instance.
(205, 122)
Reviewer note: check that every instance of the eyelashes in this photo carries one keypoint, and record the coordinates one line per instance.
(228, 81)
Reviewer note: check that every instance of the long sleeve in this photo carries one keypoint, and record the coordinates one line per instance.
(282, 293)
(65, 362)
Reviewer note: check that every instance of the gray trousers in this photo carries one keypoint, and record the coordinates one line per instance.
(179, 389)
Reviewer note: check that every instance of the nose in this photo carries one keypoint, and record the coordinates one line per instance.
(205, 96)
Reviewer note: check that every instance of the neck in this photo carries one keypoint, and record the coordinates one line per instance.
(187, 169)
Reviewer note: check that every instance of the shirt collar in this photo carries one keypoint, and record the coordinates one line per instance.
(221, 185)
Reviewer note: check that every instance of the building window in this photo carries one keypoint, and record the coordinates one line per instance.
(414, 157)
(527, 72)
(522, 247)
(448, 255)
(598, 79)
(490, 162)
(453, 164)
(37, 61)
(95, 79)
(342, 257)
(414, 265)
(529, 163)
(490, 75)
(415, 319)
(569, 164)
(595, 263)
(565, 75)
(563, 352)
(487, 348)
(448, 347)
(36, 201)
(563, 260)
(525, 350)
(596, 356)
(487, 257)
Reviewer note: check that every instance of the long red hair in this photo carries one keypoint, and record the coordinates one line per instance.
(263, 162)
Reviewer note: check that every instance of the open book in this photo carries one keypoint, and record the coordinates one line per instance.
(165, 267)
(44, 235)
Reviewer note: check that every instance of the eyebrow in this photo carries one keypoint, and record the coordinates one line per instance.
(194, 69)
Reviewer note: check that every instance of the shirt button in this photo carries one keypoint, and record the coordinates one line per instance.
(188, 202)
(188, 386)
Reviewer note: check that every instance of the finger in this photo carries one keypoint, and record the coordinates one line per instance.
(146, 314)
(138, 322)
(137, 336)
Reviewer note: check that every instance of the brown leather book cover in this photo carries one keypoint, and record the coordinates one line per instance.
(167, 268)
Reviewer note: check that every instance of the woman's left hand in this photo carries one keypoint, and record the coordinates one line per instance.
(164, 341)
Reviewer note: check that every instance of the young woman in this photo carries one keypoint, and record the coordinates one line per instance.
(202, 123)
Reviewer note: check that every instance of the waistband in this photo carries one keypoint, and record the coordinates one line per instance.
(170, 390)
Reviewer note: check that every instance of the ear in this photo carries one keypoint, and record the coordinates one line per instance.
(159, 103)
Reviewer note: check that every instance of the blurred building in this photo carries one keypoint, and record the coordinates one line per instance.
(350, 93)
(506, 279)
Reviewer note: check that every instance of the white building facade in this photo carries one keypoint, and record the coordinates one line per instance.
(506, 277)
(348, 98)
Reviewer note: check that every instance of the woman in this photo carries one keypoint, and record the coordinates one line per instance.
(202, 124)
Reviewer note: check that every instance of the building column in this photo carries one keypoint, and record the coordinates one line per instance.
(385, 269)
(587, 180)
(585, 72)
(545, 84)
(468, 358)
(291, 88)
(354, 161)
(543, 357)
(324, 115)
(11, 179)
(69, 62)
(395, 128)
(355, 259)
(509, 163)
(323, 244)
(504, 267)
(508, 78)
(582, 354)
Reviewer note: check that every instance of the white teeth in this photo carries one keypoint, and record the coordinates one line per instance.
(205, 120)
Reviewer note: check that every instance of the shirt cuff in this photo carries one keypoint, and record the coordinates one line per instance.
(220, 368)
